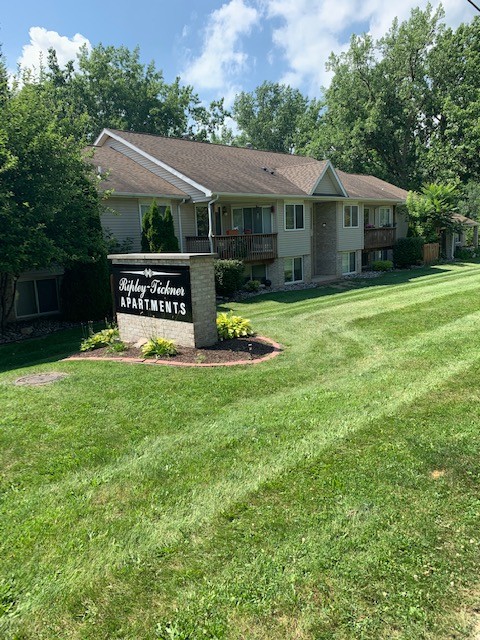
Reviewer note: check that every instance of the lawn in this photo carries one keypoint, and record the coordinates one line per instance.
(330, 493)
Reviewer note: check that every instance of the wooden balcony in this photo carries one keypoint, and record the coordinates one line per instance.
(379, 238)
(249, 247)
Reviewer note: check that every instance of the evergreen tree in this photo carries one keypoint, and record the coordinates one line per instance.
(158, 234)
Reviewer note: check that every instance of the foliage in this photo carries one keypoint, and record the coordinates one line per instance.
(103, 338)
(50, 207)
(229, 276)
(113, 245)
(116, 347)
(469, 202)
(85, 291)
(230, 326)
(408, 251)
(110, 87)
(431, 209)
(159, 347)
(275, 117)
(466, 254)
(252, 285)
(382, 265)
(158, 234)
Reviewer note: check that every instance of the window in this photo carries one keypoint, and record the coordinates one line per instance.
(201, 214)
(35, 297)
(384, 216)
(349, 262)
(294, 218)
(368, 217)
(293, 269)
(350, 215)
(252, 219)
(256, 272)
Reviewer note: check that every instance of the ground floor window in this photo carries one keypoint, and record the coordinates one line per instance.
(256, 272)
(349, 262)
(293, 269)
(35, 297)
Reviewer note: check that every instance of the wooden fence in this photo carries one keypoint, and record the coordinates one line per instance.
(431, 252)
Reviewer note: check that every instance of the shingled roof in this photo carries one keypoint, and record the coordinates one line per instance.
(125, 176)
(223, 169)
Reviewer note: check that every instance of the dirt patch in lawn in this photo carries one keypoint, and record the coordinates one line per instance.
(228, 352)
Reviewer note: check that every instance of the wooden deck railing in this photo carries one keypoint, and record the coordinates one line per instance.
(249, 248)
(380, 238)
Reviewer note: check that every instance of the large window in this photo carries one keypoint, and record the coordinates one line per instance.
(293, 269)
(36, 297)
(256, 272)
(294, 217)
(349, 262)
(350, 215)
(384, 217)
(252, 219)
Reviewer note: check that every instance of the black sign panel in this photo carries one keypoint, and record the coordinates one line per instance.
(156, 291)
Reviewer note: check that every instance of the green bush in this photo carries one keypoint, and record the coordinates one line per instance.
(382, 265)
(116, 347)
(229, 275)
(158, 233)
(252, 285)
(408, 251)
(85, 292)
(159, 347)
(230, 326)
(465, 253)
(104, 338)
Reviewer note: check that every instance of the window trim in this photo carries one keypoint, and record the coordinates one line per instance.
(295, 228)
(235, 207)
(37, 301)
(390, 216)
(351, 226)
(293, 258)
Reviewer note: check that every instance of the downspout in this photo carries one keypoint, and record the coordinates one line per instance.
(210, 222)
(180, 231)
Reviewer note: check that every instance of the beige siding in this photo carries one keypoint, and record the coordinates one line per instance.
(349, 238)
(188, 220)
(124, 220)
(154, 168)
(295, 242)
(327, 185)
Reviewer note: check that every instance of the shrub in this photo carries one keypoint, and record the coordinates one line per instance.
(157, 230)
(408, 251)
(103, 338)
(252, 285)
(228, 276)
(230, 326)
(382, 265)
(85, 292)
(465, 253)
(159, 347)
(116, 347)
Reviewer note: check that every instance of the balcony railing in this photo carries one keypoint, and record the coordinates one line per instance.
(249, 247)
(379, 238)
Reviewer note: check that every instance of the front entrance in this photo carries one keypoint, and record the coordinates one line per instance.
(324, 239)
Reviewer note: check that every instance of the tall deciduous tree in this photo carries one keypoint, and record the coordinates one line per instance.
(380, 104)
(49, 212)
(274, 117)
(110, 87)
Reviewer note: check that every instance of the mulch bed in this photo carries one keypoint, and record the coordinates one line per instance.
(228, 352)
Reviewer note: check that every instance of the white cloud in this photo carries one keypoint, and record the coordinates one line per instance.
(311, 29)
(223, 56)
(42, 40)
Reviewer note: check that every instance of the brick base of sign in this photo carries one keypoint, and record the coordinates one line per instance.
(199, 331)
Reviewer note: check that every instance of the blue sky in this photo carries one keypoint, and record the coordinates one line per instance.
(220, 47)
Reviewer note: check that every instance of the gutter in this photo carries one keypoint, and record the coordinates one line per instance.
(210, 222)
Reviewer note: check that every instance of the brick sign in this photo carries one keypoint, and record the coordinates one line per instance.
(154, 291)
